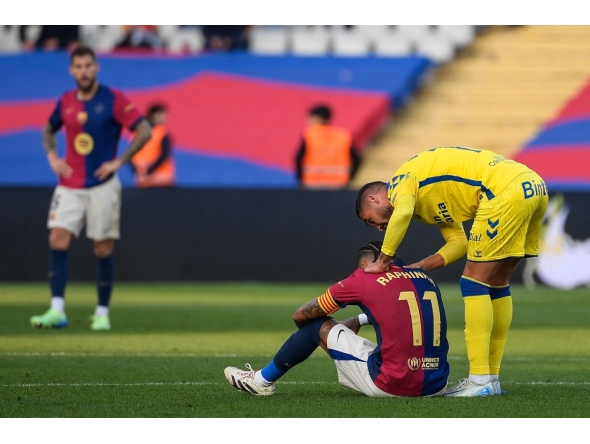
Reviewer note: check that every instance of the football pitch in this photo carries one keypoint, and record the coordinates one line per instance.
(169, 344)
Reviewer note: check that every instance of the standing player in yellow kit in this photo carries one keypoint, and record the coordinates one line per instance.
(447, 186)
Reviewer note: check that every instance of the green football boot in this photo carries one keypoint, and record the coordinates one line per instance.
(100, 323)
(50, 319)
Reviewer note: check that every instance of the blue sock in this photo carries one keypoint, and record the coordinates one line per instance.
(58, 272)
(105, 273)
(295, 350)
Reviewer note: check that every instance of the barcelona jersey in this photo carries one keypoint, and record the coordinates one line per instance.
(405, 307)
(93, 129)
(449, 183)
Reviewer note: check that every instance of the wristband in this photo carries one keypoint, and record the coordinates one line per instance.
(363, 319)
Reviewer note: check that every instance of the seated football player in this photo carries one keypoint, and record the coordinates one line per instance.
(406, 309)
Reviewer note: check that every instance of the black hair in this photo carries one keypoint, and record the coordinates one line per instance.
(322, 111)
(361, 195)
(81, 51)
(155, 108)
(370, 248)
(374, 248)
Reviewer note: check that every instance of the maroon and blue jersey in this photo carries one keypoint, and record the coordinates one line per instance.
(93, 128)
(405, 307)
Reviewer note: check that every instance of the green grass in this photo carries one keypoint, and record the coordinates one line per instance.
(169, 345)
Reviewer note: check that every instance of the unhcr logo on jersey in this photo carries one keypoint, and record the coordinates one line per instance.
(423, 363)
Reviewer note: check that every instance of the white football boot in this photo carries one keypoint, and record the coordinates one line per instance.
(244, 381)
(467, 388)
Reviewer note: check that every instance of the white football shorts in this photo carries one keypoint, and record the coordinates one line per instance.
(353, 372)
(98, 207)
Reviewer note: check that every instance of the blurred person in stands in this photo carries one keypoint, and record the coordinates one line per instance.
(53, 37)
(327, 157)
(140, 36)
(406, 310)
(225, 37)
(446, 186)
(153, 165)
(89, 190)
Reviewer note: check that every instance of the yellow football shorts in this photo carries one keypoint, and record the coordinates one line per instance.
(509, 225)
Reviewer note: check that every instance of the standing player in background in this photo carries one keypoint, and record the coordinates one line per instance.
(89, 190)
(405, 308)
(447, 186)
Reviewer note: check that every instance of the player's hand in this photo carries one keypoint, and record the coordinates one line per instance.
(59, 166)
(379, 266)
(107, 168)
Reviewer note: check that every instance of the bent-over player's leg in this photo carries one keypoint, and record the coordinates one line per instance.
(497, 239)
(502, 309)
(479, 318)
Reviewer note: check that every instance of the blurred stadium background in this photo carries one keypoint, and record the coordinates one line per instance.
(236, 114)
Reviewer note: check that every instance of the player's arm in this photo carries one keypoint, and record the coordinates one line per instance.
(454, 248)
(396, 230)
(355, 323)
(59, 166)
(143, 133)
(308, 312)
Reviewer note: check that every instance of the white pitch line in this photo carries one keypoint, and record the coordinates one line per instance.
(232, 355)
(133, 355)
(138, 384)
(147, 384)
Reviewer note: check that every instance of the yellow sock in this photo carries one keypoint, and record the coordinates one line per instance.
(502, 309)
(478, 329)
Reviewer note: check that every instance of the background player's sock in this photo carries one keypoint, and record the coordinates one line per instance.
(58, 276)
(101, 311)
(295, 350)
(502, 309)
(105, 273)
(58, 304)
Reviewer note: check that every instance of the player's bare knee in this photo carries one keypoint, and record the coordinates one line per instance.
(104, 248)
(59, 239)
(325, 331)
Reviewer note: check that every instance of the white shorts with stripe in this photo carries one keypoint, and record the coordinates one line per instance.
(350, 353)
(98, 207)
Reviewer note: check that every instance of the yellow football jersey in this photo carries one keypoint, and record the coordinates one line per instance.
(449, 183)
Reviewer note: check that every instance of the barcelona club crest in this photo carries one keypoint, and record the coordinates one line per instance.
(82, 117)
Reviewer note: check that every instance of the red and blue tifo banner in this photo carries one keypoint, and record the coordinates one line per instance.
(235, 119)
(560, 152)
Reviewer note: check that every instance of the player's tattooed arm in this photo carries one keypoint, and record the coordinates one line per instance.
(352, 323)
(143, 134)
(49, 140)
(308, 312)
(59, 166)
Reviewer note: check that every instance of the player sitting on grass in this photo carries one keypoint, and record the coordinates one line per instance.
(405, 308)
